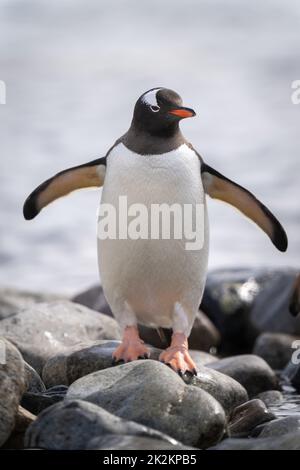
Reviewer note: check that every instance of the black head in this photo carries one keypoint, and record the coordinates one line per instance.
(158, 112)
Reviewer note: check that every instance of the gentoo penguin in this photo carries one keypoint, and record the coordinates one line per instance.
(155, 282)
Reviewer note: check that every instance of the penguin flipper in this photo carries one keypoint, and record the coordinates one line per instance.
(90, 174)
(218, 186)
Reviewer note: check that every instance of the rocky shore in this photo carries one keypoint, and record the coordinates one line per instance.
(59, 389)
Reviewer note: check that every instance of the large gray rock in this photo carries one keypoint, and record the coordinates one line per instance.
(290, 441)
(279, 427)
(223, 388)
(202, 358)
(250, 371)
(243, 303)
(14, 300)
(47, 329)
(69, 366)
(12, 386)
(73, 424)
(123, 442)
(150, 393)
(247, 416)
(204, 334)
(275, 348)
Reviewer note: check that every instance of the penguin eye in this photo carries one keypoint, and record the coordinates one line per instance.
(155, 109)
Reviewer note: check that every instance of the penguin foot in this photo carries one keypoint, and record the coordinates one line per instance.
(131, 348)
(177, 356)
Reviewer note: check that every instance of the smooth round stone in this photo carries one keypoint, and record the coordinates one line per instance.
(250, 371)
(150, 393)
(247, 416)
(73, 424)
(12, 386)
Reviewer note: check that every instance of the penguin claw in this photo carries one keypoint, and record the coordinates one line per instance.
(130, 351)
(179, 360)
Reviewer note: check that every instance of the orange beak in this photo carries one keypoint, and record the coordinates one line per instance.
(183, 112)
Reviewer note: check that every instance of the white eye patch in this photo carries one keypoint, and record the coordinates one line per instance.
(150, 98)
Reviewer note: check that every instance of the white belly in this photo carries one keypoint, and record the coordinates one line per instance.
(150, 277)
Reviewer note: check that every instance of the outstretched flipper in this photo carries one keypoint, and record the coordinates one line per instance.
(90, 174)
(218, 186)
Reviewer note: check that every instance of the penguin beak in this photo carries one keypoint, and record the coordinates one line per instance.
(182, 112)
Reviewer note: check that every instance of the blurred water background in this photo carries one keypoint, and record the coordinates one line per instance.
(73, 71)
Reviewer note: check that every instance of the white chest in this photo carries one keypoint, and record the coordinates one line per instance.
(173, 177)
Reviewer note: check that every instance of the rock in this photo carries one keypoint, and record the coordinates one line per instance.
(247, 416)
(294, 305)
(33, 381)
(275, 348)
(279, 427)
(150, 393)
(94, 298)
(37, 402)
(85, 422)
(227, 391)
(23, 419)
(117, 442)
(204, 334)
(250, 371)
(242, 303)
(47, 329)
(67, 367)
(12, 386)
(201, 358)
(271, 397)
(289, 441)
(14, 300)
(292, 373)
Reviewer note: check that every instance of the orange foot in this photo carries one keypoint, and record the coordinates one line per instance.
(131, 348)
(177, 356)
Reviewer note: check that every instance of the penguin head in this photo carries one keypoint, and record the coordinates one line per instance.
(158, 112)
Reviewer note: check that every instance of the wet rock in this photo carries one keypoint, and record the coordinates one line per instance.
(290, 441)
(85, 422)
(33, 381)
(275, 348)
(201, 358)
(271, 397)
(249, 370)
(204, 334)
(23, 419)
(292, 371)
(12, 386)
(247, 416)
(14, 300)
(242, 303)
(150, 393)
(37, 402)
(47, 329)
(117, 442)
(279, 427)
(227, 391)
(67, 367)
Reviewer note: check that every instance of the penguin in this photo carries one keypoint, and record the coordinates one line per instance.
(294, 304)
(155, 282)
